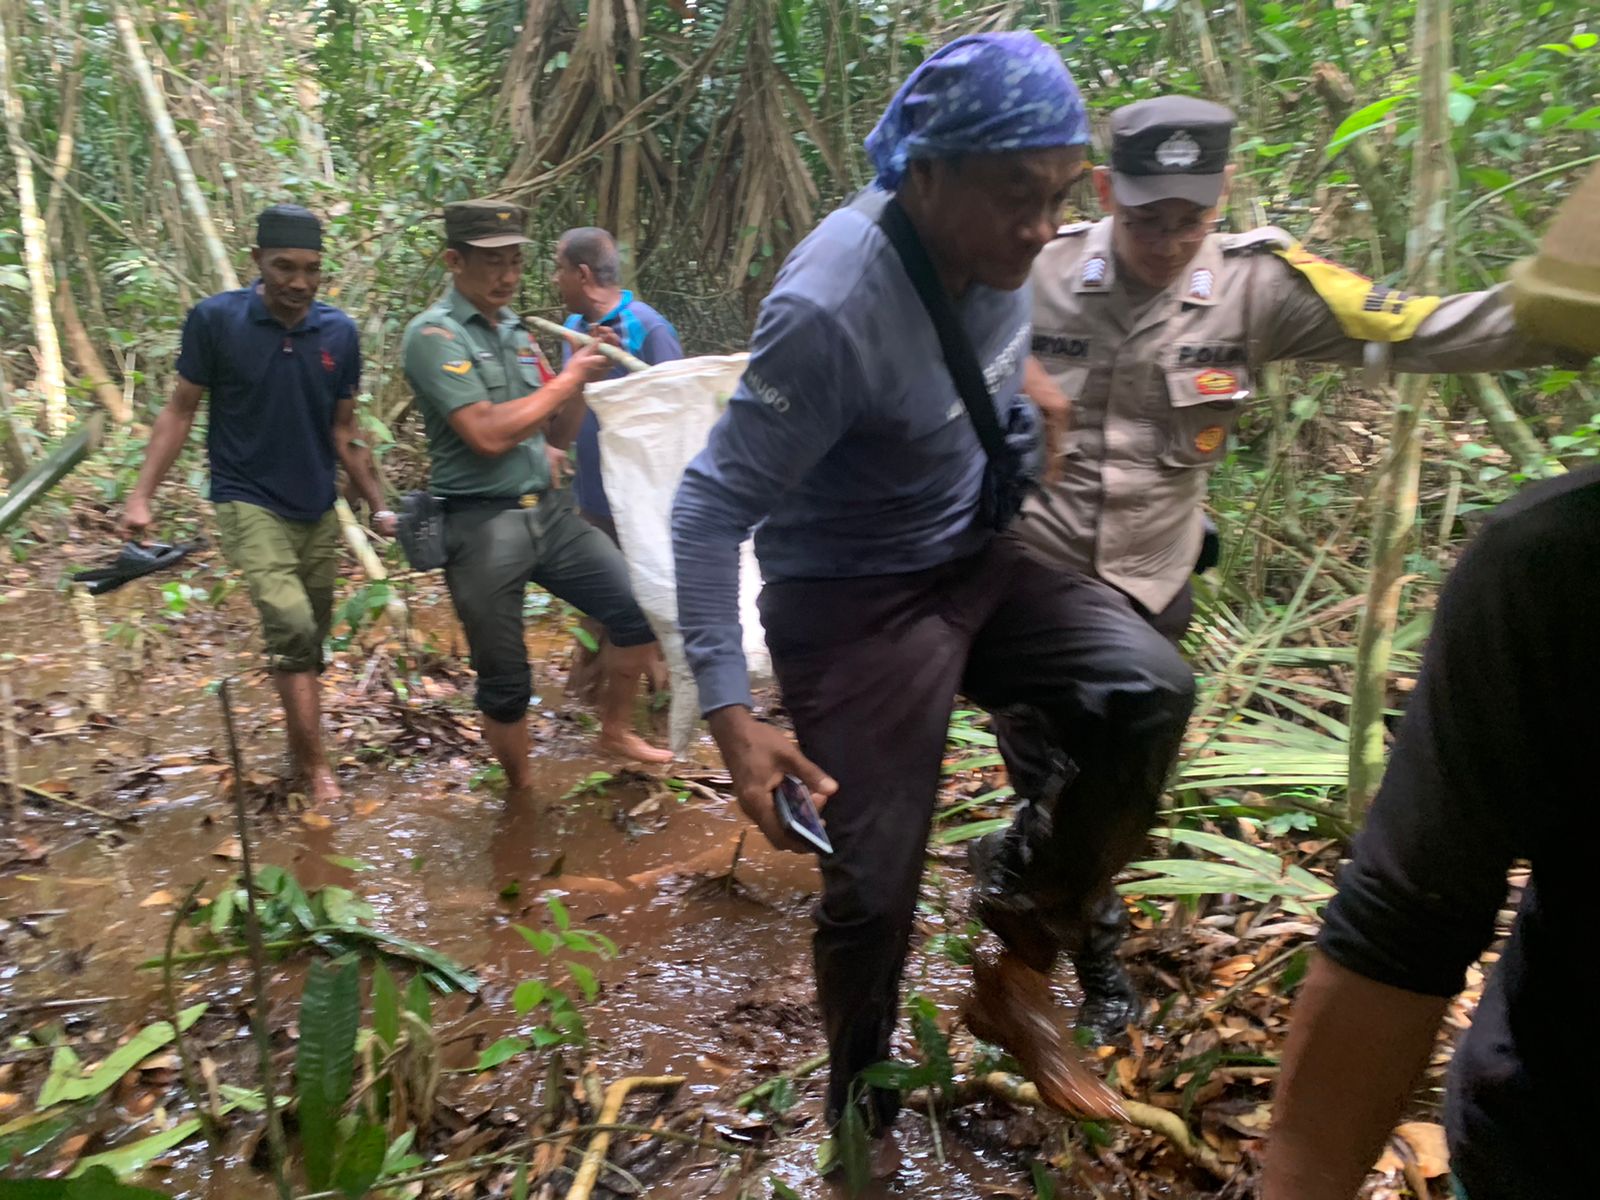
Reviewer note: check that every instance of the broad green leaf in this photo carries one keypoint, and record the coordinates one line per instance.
(1363, 120)
(781, 1190)
(529, 994)
(972, 829)
(68, 1082)
(505, 1048)
(385, 1006)
(222, 910)
(330, 1009)
(418, 1002)
(1461, 106)
(541, 940)
(360, 1160)
(933, 1043)
(97, 1183)
(135, 1156)
(584, 978)
(897, 1076)
(27, 1135)
(851, 1136)
(559, 913)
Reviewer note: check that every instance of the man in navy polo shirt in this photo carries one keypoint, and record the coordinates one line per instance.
(282, 371)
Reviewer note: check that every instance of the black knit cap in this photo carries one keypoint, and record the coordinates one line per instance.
(288, 227)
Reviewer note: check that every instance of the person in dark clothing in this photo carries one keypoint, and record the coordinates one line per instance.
(849, 449)
(1489, 769)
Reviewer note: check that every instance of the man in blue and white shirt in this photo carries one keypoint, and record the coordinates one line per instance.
(848, 449)
(588, 278)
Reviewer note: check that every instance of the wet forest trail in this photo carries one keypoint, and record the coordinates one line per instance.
(710, 980)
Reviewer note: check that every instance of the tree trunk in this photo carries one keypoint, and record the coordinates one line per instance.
(1396, 493)
(155, 103)
(627, 227)
(51, 381)
(78, 341)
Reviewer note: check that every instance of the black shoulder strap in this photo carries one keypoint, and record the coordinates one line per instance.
(959, 356)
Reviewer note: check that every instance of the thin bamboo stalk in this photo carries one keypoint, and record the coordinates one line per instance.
(155, 103)
(1396, 492)
(51, 383)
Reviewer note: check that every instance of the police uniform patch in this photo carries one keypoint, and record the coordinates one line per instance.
(1179, 152)
(438, 331)
(1201, 284)
(1365, 310)
(527, 360)
(1094, 271)
(1209, 438)
(457, 366)
(1216, 383)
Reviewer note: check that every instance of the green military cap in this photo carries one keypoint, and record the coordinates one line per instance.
(486, 223)
(1172, 147)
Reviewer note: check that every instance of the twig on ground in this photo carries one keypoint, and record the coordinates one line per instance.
(810, 1067)
(186, 1066)
(258, 958)
(39, 793)
(510, 1155)
(616, 1094)
(1143, 1116)
(9, 702)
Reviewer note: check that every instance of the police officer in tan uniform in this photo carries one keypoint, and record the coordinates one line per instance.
(1152, 327)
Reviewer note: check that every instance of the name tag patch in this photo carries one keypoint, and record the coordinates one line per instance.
(1061, 345)
(1205, 354)
(1216, 383)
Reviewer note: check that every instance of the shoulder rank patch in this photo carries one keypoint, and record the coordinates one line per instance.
(438, 331)
(1365, 310)
(1201, 284)
(457, 366)
(1094, 271)
(1255, 241)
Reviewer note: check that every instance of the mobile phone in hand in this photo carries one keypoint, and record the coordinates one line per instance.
(799, 816)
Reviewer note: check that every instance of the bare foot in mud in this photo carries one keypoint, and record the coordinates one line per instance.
(631, 745)
(1011, 1006)
(322, 788)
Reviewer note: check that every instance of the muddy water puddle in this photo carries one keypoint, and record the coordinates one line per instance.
(711, 979)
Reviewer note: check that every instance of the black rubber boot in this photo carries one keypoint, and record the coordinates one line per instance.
(1003, 909)
(1110, 1001)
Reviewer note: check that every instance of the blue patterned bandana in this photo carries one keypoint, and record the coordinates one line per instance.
(983, 94)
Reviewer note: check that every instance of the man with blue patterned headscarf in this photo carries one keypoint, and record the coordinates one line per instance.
(855, 455)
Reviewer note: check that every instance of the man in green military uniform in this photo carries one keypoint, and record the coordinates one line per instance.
(489, 413)
(1150, 327)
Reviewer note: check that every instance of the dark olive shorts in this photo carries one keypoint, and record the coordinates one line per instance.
(289, 567)
(496, 553)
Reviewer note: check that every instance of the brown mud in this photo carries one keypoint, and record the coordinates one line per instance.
(712, 976)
